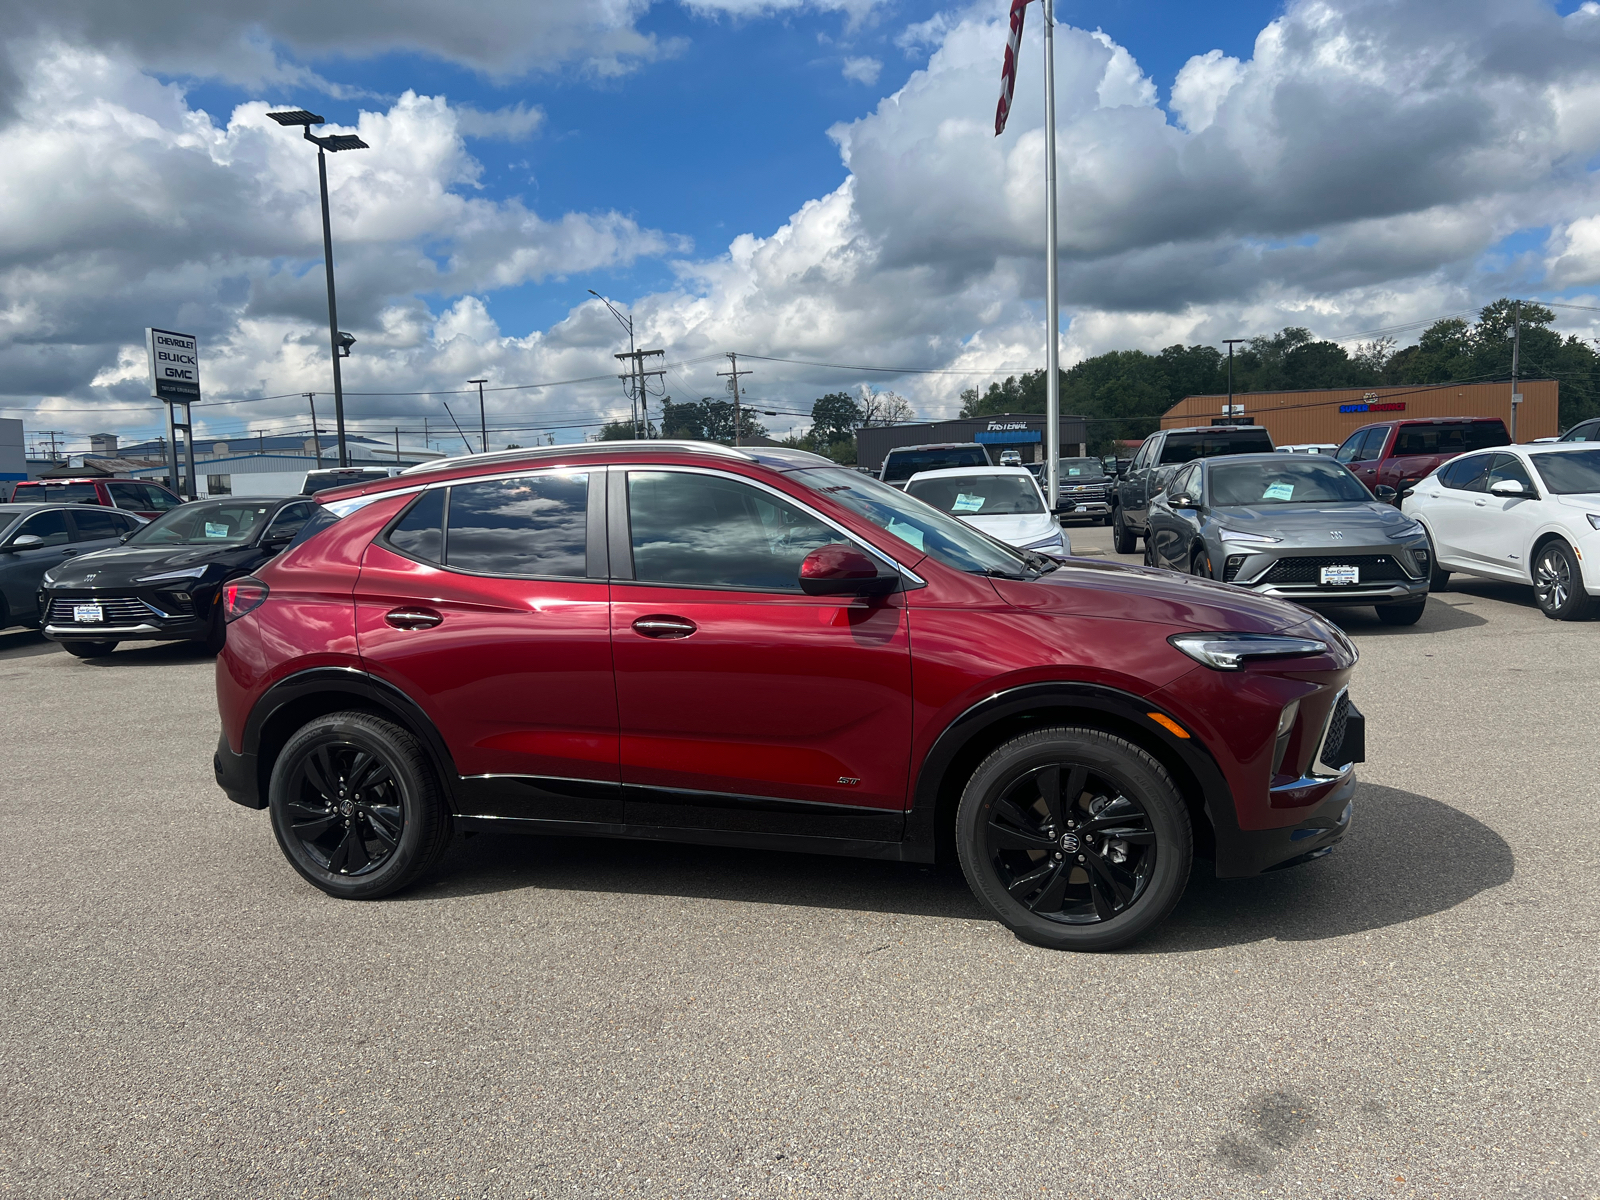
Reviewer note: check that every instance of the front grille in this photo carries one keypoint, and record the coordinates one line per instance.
(119, 610)
(1374, 568)
(1333, 756)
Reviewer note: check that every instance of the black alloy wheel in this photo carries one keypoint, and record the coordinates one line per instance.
(88, 649)
(355, 806)
(1076, 839)
(1438, 579)
(1558, 583)
(1123, 538)
(1200, 563)
(217, 632)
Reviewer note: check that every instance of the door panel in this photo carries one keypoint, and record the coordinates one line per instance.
(1508, 524)
(736, 689)
(515, 672)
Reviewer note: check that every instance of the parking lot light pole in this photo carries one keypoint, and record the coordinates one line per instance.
(339, 343)
(1232, 342)
(483, 421)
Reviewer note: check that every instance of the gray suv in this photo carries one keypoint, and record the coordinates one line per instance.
(1157, 460)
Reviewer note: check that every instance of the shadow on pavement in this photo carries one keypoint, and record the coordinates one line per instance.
(135, 654)
(1406, 856)
(1440, 615)
(26, 643)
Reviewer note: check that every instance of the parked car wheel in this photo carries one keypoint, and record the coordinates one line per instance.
(1074, 838)
(1402, 614)
(1438, 580)
(88, 649)
(356, 807)
(1124, 539)
(1200, 564)
(1106, 520)
(217, 635)
(1558, 583)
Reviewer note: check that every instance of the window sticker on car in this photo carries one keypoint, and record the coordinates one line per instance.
(966, 503)
(213, 530)
(1279, 491)
(906, 532)
(1074, 471)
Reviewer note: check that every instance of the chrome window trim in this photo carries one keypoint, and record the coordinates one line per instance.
(905, 572)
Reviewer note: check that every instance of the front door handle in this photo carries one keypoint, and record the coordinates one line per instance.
(413, 618)
(68, 553)
(661, 625)
(1480, 503)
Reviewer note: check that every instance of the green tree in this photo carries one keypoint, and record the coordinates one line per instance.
(616, 431)
(834, 418)
(707, 421)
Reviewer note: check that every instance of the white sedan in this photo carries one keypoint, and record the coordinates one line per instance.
(1004, 502)
(1525, 513)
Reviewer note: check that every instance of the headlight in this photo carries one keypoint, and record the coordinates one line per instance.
(1056, 540)
(1233, 535)
(50, 576)
(166, 576)
(1230, 651)
(1594, 519)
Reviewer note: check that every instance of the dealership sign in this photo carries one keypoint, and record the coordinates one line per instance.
(174, 365)
(1394, 406)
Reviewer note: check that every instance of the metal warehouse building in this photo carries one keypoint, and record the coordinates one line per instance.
(1331, 415)
(1023, 432)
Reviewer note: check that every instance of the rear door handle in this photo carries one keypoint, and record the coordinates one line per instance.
(661, 625)
(412, 618)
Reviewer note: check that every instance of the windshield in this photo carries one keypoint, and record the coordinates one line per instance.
(979, 495)
(212, 523)
(950, 541)
(1450, 439)
(1293, 481)
(903, 464)
(321, 481)
(60, 493)
(1081, 468)
(1573, 474)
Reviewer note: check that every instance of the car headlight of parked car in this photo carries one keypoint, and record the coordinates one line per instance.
(1230, 651)
(1257, 539)
(169, 576)
(1594, 519)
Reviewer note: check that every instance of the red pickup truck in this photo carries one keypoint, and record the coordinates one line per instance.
(1396, 454)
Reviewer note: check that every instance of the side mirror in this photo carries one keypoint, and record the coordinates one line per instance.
(26, 542)
(278, 542)
(840, 570)
(1064, 506)
(125, 536)
(1509, 488)
(1387, 494)
(1408, 492)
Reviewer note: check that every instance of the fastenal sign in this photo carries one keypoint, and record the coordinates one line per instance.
(174, 365)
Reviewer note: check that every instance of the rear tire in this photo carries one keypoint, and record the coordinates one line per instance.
(1402, 614)
(88, 649)
(1037, 835)
(356, 807)
(1558, 583)
(1125, 541)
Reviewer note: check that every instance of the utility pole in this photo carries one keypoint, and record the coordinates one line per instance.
(316, 438)
(1516, 346)
(636, 372)
(1231, 343)
(732, 377)
(397, 446)
(52, 433)
(483, 421)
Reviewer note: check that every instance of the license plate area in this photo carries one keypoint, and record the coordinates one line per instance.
(88, 614)
(1340, 576)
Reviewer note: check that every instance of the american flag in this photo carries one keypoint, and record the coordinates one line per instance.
(1008, 73)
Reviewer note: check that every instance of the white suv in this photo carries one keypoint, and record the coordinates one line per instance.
(1525, 513)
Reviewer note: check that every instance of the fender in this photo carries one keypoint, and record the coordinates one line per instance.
(357, 684)
(934, 800)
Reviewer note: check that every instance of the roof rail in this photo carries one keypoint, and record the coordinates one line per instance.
(656, 444)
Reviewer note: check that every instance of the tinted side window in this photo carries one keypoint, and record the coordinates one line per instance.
(159, 499)
(1465, 474)
(289, 520)
(1508, 466)
(531, 525)
(51, 526)
(707, 531)
(127, 495)
(420, 532)
(1185, 447)
(1589, 431)
(96, 524)
(1351, 449)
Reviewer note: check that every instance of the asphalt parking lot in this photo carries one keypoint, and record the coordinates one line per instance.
(1417, 1015)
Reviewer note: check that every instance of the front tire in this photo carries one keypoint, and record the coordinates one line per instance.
(1438, 580)
(356, 807)
(88, 649)
(1074, 838)
(1558, 583)
(1200, 564)
(1124, 539)
(1402, 614)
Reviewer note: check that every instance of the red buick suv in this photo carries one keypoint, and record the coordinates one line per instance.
(758, 648)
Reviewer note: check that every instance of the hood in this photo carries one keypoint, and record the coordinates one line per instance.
(1375, 520)
(122, 565)
(1093, 589)
(1583, 501)
(1019, 530)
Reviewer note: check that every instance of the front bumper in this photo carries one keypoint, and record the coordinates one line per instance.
(1254, 851)
(1389, 573)
(130, 614)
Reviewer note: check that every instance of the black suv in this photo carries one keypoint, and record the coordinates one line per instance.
(1151, 467)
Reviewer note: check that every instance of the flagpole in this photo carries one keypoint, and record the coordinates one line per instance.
(1052, 300)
